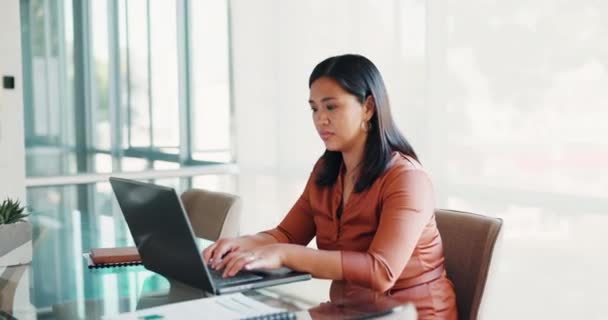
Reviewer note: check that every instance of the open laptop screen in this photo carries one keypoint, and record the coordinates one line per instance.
(161, 231)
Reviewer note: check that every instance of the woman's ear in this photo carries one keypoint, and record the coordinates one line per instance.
(369, 107)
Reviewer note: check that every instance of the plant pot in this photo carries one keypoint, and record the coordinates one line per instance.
(15, 243)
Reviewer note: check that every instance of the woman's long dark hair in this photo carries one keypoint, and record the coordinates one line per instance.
(360, 77)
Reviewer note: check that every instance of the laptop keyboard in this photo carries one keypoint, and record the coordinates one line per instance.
(240, 277)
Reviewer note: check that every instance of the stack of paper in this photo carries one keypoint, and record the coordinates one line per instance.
(233, 306)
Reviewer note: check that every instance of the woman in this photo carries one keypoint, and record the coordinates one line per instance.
(368, 201)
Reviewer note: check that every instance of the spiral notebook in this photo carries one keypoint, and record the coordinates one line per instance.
(231, 306)
(112, 257)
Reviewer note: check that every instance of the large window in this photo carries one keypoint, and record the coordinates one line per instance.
(141, 87)
(125, 86)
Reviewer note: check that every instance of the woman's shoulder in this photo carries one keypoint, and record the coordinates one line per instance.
(403, 167)
(405, 172)
(403, 162)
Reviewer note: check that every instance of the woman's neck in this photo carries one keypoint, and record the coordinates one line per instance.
(353, 157)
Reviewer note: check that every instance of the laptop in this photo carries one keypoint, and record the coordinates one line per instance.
(167, 245)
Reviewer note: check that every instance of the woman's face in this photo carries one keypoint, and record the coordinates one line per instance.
(338, 115)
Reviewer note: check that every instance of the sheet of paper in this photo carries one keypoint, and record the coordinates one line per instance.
(232, 306)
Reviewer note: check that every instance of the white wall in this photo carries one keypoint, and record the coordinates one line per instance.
(12, 149)
(525, 127)
(522, 79)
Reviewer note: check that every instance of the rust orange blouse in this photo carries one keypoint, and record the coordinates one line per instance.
(387, 234)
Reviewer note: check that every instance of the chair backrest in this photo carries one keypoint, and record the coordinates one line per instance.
(213, 215)
(468, 245)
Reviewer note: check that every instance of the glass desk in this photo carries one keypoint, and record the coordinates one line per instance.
(155, 291)
(59, 285)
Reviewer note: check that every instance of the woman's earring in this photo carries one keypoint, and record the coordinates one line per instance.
(366, 126)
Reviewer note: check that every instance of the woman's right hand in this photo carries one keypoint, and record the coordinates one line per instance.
(222, 247)
(216, 252)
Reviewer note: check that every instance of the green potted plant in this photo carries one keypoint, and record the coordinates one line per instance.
(15, 234)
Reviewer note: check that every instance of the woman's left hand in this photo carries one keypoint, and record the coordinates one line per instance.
(265, 257)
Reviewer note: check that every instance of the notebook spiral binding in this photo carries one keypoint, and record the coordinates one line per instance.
(92, 265)
(114, 265)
